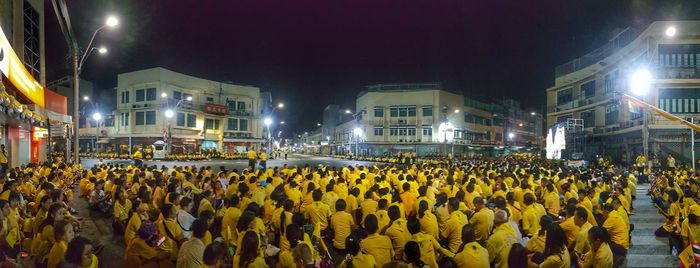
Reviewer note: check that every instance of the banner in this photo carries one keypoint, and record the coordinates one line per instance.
(12, 68)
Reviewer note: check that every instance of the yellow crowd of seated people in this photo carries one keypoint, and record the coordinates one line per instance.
(508, 211)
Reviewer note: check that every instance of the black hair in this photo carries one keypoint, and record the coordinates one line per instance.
(555, 242)
(340, 205)
(412, 253)
(213, 253)
(249, 248)
(517, 257)
(413, 225)
(199, 228)
(74, 252)
(371, 223)
(582, 213)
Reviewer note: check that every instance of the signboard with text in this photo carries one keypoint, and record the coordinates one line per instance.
(12, 68)
(215, 109)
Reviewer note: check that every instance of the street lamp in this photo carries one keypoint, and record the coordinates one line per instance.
(358, 132)
(164, 95)
(533, 113)
(268, 121)
(282, 123)
(318, 124)
(456, 111)
(189, 98)
(280, 105)
(97, 117)
(169, 113)
(348, 111)
(640, 82)
(102, 50)
(511, 135)
(86, 98)
(671, 31)
(64, 21)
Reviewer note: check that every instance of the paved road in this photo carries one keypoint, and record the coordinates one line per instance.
(293, 160)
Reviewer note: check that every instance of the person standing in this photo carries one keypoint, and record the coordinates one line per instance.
(252, 156)
(3, 158)
(263, 159)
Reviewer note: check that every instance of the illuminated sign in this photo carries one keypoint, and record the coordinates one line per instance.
(11, 66)
(215, 109)
(40, 133)
(556, 142)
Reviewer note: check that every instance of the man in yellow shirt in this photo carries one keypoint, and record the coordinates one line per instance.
(531, 217)
(482, 220)
(581, 245)
(397, 230)
(318, 212)
(569, 226)
(375, 244)
(263, 159)
(501, 240)
(551, 201)
(690, 228)
(342, 223)
(619, 233)
(3, 158)
(252, 156)
(453, 226)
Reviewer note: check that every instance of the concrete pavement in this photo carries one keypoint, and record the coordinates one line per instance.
(646, 249)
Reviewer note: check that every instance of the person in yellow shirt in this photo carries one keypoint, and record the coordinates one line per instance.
(249, 256)
(252, 157)
(428, 244)
(169, 228)
(619, 233)
(368, 206)
(672, 215)
(407, 198)
(500, 242)
(122, 207)
(551, 201)
(555, 251)
(531, 217)
(600, 255)
(581, 245)
(230, 219)
(482, 220)
(690, 228)
(453, 226)
(318, 212)
(263, 159)
(569, 226)
(428, 221)
(342, 224)
(355, 257)
(397, 230)
(63, 233)
(471, 253)
(80, 253)
(379, 246)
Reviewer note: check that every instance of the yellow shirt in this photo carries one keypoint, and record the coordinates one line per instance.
(121, 212)
(601, 258)
(483, 223)
(318, 214)
(582, 246)
(429, 224)
(342, 223)
(531, 221)
(536, 243)
(570, 229)
(398, 232)
(170, 245)
(453, 230)
(132, 227)
(691, 231)
(58, 251)
(361, 260)
(228, 223)
(428, 245)
(561, 260)
(551, 202)
(617, 229)
(252, 155)
(286, 260)
(473, 255)
(258, 262)
(499, 244)
(380, 247)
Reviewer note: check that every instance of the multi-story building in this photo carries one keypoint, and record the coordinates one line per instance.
(64, 86)
(421, 118)
(589, 89)
(28, 108)
(204, 114)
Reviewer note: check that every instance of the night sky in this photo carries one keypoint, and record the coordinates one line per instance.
(313, 53)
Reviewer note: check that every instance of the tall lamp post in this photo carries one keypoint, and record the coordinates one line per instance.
(97, 117)
(268, 121)
(63, 17)
(640, 84)
(358, 132)
(169, 114)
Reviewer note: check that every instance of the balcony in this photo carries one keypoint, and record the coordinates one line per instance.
(615, 44)
(573, 104)
(240, 113)
(677, 73)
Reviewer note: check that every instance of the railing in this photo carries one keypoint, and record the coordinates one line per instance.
(677, 73)
(619, 41)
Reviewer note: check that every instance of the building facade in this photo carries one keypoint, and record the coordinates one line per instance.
(421, 118)
(205, 114)
(590, 89)
(30, 114)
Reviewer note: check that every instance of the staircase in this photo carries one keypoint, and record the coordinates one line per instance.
(647, 250)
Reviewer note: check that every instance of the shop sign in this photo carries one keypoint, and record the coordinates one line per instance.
(215, 109)
(11, 66)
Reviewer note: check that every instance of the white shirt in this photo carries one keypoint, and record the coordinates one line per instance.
(185, 220)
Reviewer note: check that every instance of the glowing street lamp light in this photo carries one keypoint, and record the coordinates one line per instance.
(282, 123)
(97, 116)
(640, 82)
(169, 113)
(112, 21)
(267, 121)
(318, 124)
(189, 98)
(456, 111)
(86, 98)
(164, 95)
(280, 105)
(533, 113)
(671, 31)
(102, 50)
(348, 111)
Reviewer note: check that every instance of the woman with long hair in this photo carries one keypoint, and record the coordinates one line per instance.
(63, 233)
(412, 255)
(250, 252)
(41, 244)
(555, 252)
(428, 221)
(355, 257)
(600, 255)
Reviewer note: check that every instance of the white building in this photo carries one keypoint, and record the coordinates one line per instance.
(584, 88)
(420, 118)
(206, 114)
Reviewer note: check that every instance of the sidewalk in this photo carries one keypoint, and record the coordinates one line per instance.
(98, 227)
(647, 250)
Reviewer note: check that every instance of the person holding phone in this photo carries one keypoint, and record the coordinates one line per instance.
(145, 249)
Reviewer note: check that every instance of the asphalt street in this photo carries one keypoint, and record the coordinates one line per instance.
(293, 160)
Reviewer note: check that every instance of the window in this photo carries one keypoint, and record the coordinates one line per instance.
(139, 118)
(564, 96)
(211, 124)
(210, 99)
(475, 119)
(611, 114)
(32, 47)
(588, 118)
(191, 120)
(151, 94)
(588, 89)
(378, 131)
(124, 119)
(243, 124)
(562, 119)
(180, 119)
(411, 131)
(240, 106)
(393, 131)
(125, 96)
(611, 80)
(379, 112)
(177, 95)
(186, 96)
(231, 105)
(232, 124)
(412, 111)
(150, 117)
(402, 111)
(427, 110)
(427, 130)
(140, 95)
(680, 100)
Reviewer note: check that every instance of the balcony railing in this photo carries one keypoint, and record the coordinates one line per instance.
(619, 41)
(677, 73)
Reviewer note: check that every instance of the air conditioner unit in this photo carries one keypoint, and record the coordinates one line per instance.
(135, 106)
(147, 105)
(402, 121)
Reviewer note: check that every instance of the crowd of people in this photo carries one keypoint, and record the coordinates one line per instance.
(507, 211)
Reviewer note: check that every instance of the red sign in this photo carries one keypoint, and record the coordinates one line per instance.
(215, 109)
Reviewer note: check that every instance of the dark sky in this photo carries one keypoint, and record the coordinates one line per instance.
(317, 52)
